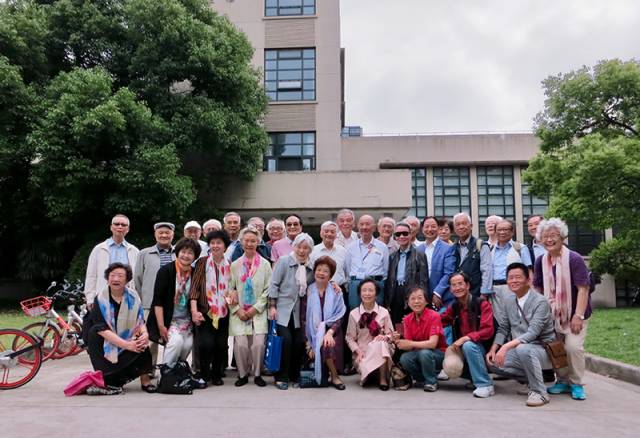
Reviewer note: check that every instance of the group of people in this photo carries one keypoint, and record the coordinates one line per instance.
(450, 305)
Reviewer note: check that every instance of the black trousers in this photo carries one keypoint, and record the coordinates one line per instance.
(140, 365)
(212, 344)
(292, 348)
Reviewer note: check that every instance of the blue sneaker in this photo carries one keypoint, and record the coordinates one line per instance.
(559, 388)
(577, 392)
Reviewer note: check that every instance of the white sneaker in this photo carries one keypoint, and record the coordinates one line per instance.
(442, 375)
(484, 392)
(536, 399)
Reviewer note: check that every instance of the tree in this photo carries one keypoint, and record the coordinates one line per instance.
(589, 162)
(134, 106)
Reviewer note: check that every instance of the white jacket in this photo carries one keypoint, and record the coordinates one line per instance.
(98, 263)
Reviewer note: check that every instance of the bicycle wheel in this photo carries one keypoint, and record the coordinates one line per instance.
(20, 358)
(49, 335)
(69, 342)
(77, 328)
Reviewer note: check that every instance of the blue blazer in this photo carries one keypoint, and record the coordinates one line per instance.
(443, 264)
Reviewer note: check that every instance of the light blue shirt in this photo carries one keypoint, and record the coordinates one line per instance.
(402, 266)
(117, 252)
(367, 260)
(501, 261)
(538, 250)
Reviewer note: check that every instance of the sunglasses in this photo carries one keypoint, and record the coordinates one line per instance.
(120, 224)
(293, 224)
(401, 233)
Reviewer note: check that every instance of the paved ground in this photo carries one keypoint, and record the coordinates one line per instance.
(40, 409)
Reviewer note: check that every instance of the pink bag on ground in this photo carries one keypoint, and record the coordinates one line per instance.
(80, 384)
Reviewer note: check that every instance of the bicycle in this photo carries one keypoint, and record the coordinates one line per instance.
(71, 342)
(53, 329)
(20, 358)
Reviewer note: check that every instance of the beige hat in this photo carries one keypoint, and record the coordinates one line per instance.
(453, 363)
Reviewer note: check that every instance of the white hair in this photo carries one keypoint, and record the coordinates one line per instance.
(554, 222)
(215, 222)
(255, 219)
(275, 221)
(346, 211)
(303, 238)
(250, 229)
(328, 224)
(383, 218)
(462, 214)
(493, 217)
(229, 214)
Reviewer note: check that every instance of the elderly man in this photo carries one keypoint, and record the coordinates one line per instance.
(328, 247)
(527, 320)
(490, 224)
(284, 246)
(414, 223)
(473, 256)
(505, 252)
(366, 258)
(211, 225)
(193, 230)
(232, 223)
(407, 270)
(535, 248)
(114, 249)
(346, 221)
(263, 249)
(386, 227)
(150, 259)
(275, 229)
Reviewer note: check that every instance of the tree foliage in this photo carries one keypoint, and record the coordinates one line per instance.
(134, 106)
(589, 162)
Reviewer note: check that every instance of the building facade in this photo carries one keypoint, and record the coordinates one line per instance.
(316, 166)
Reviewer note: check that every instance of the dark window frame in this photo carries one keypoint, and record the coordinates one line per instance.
(487, 190)
(284, 82)
(418, 181)
(441, 199)
(275, 152)
(274, 8)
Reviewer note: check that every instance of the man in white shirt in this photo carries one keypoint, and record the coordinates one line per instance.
(193, 230)
(328, 232)
(386, 227)
(346, 220)
(366, 258)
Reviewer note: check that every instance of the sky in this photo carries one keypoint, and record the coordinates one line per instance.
(421, 66)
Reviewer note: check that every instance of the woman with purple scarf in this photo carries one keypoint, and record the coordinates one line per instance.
(324, 311)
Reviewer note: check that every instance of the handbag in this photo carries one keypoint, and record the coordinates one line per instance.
(555, 349)
(86, 379)
(557, 354)
(176, 379)
(400, 379)
(273, 352)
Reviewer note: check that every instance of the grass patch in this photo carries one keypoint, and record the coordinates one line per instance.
(615, 334)
(15, 319)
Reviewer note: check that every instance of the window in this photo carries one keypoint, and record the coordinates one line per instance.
(495, 194)
(451, 191)
(418, 193)
(290, 74)
(274, 8)
(625, 293)
(584, 239)
(530, 206)
(291, 151)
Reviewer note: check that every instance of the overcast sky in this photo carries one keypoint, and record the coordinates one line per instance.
(462, 65)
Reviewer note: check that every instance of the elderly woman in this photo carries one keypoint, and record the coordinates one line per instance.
(275, 230)
(170, 322)
(288, 288)
(323, 316)
(116, 336)
(445, 228)
(209, 307)
(370, 336)
(250, 276)
(562, 276)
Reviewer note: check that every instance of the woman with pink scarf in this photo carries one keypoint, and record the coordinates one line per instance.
(562, 276)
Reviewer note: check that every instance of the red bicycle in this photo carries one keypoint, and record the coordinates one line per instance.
(20, 358)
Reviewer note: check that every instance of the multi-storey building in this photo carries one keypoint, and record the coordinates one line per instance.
(315, 165)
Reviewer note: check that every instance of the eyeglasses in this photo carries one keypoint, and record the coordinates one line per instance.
(293, 224)
(119, 224)
(401, 233)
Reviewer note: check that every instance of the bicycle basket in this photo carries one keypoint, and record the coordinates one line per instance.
(36, 306)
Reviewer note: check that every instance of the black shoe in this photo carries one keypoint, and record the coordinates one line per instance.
(217, 381)
(383, 387)
(350, 371)
(199, 384)
(258, 380)
(150, 388)
(242, 381)
(339, 386)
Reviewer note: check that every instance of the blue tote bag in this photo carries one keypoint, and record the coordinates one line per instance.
(274, 349)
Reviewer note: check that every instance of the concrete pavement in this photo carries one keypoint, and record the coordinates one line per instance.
(40, 409)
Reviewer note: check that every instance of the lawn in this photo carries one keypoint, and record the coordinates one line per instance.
(15, 319)
(615, 334)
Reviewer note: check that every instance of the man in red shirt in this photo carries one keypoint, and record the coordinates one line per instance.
(424, 343)
(471, 320)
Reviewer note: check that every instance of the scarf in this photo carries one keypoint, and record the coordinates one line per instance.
(217, 286)
(249, 269)
(130, 319)
(183, 281)
(301, 278)
(318, 318)
(368, 320)
(558, 290)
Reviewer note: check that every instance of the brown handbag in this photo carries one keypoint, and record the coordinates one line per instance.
(557, 354)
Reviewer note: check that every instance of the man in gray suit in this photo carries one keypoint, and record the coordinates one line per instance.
(527, 320)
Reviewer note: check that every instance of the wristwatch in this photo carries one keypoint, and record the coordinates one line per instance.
(580, 316)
